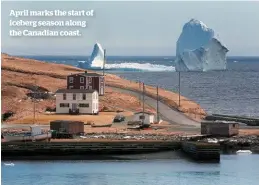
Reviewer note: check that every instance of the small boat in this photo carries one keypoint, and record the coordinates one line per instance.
(244, 152)
(9, 164)
(106, 125)
(35, 134)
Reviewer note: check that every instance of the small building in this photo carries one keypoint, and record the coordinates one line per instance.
(145, 117)
(77, 101)
(86, 81)
(219, 128)
(67, 126)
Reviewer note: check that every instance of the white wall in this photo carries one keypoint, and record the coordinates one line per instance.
(91, 98)
(148, 118)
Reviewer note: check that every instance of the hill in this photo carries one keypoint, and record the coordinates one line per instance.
(21, 75)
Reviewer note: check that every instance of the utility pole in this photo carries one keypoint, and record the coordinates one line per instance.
(179, 83)
(143, 104)
(34, 101)
(34, 107)
(157, 112)
(139, 92)
(104, 60)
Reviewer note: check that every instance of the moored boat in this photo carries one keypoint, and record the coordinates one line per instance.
(35, 134)
(244, 152)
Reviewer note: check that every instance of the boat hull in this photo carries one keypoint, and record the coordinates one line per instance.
(9, 138)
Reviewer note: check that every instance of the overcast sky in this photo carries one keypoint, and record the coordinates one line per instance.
(140, 28)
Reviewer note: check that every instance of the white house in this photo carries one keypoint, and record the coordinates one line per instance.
(77, 101)
(148, 117)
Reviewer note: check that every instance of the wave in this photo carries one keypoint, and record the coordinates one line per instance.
(134, 66)
(141, 67)
(128, 66)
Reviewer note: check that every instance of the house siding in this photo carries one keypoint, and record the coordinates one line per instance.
(219, 129)
(79, 100)
(94, 81)
(149, 118)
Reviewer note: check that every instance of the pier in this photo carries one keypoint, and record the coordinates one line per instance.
(202, 151)
(84, 149)
(241, 119)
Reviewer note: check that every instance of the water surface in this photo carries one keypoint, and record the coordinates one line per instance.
(232, 170)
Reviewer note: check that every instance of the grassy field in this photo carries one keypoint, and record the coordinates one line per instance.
(102, 118)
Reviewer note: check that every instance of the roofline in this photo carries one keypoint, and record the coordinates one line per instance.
(93, 90)
(82, 74)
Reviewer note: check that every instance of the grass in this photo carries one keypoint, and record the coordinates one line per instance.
(102, 118)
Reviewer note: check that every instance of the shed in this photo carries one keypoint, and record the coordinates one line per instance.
(67, 126)
(148, 117)
(220, 128)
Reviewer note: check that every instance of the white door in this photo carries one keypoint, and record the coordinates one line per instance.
(74, 106)
(101, 90)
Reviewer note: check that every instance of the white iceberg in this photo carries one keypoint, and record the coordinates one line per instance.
(97, 57)
(96, 60)
(198, 49)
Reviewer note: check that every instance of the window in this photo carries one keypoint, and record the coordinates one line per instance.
(83, 104)
(90, 87)
(71, 79)
(90, 80)
(74, 96)
(82, 87)
(64, 105)
(84, 96)
(64, 96)
(82, 79)
(141, 117)
(71, 87)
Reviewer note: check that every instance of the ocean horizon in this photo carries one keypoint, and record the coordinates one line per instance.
(232, 92)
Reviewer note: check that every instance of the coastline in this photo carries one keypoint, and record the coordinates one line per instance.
(101, 149)
(34, 70)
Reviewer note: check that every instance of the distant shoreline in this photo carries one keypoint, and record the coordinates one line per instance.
(58, 72)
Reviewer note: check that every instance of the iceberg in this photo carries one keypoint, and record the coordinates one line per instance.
(198, 49)
(96, 59)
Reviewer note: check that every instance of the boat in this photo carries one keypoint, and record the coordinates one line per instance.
(35, 134)
(9, 164)
(244, 152)
(106, 125)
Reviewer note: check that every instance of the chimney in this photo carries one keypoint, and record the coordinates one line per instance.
(85, 72)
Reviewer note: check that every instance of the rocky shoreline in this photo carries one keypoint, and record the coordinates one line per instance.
(250, 142)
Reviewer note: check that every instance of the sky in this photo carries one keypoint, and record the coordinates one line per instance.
(138, 28)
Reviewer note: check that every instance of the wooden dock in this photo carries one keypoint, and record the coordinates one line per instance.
(68, 148)
(241, 119)
(86, 148)
(202, 151)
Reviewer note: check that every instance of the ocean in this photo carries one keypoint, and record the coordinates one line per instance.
(233, 169)
(232, 92)
(235, 91)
